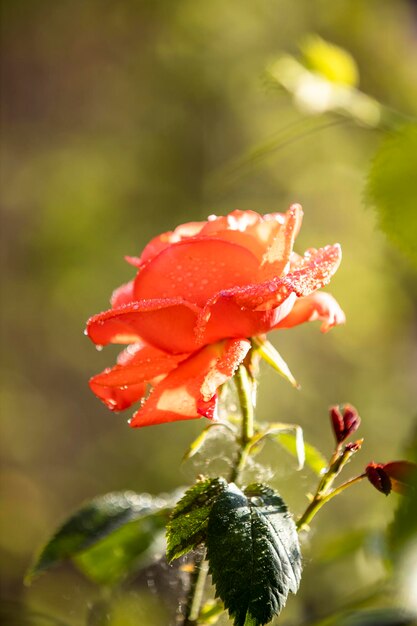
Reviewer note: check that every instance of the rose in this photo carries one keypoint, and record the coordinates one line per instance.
(200, 293)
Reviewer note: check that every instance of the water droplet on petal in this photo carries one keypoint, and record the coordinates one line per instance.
(99, 347)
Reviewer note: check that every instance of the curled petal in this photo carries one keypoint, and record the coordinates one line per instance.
(240, 221)
(276, 259)
(258, 308)
(247, 228)
(317, 269)
(166, 324)
(196, 270)
(234, 352)
(122, 295)
(225, 318)
(318, 306)
(189, 391)
(125, 383)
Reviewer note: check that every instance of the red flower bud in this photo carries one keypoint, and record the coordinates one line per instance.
(345, 421)
(396, 476)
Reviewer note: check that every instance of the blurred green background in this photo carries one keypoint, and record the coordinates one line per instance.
(121, 120)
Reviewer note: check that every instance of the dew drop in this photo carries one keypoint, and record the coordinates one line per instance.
(99, 347)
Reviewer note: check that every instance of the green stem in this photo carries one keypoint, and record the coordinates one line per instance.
(244, 390)
(198, 595)
(321, 499)
(195, 594)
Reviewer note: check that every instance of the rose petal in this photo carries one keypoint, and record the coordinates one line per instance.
(196, 270)
(165, 323)
(161, 242)
(126, 356)
(122, 295)
(317, 306)
(225, 318)
(235, 351)
(246, 228)
(222, 310)
(125, 383)
(188, 391)
(317, 269)
(275, 260)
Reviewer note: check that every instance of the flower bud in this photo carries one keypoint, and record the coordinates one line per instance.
(345, 421)
(396, 476)
(379, 478)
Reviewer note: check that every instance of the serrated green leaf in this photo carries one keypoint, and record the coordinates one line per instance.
(267, 351)
(91, 524)
(187, 526)
(124, 550)
(392, 188)
(253, 552)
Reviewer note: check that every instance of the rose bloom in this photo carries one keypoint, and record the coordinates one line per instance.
(200, 293)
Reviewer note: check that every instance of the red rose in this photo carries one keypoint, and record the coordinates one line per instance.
(200, 293)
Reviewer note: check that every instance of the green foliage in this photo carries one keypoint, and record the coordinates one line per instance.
(106, 536)
(402, 531)
(112, 558)
(312, 457)
(271, 355)
(253, 553)
(392, 188)
(16, 614)
(188, 523)
(377, 617)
